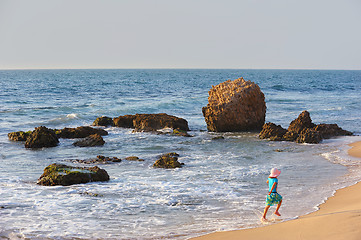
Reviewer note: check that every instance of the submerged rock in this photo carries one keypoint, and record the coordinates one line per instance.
(302, 130)
(79, 132)
(134, 158)
(60, 174)
(91, 141)
(99, 160)
(42, 137)
(235, 106)
(169, 160)
(19, 136)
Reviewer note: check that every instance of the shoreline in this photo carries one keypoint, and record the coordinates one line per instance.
(338, 218)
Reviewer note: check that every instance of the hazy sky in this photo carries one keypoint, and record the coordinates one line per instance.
(311, 34)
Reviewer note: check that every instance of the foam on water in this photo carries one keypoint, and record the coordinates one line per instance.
(222, 185)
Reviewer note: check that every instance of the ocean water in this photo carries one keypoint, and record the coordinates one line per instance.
(222, 185)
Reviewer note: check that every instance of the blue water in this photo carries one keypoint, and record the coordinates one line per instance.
(222, 185)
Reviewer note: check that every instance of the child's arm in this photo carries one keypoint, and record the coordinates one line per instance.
(273, 186)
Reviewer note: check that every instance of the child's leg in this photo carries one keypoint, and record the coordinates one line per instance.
(278, 207)
(265, 212)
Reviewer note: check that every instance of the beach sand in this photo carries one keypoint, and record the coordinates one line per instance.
(338, 218)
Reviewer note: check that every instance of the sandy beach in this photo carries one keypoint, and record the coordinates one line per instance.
(338, 218)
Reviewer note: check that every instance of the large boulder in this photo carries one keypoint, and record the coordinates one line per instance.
(42, 137)
(169, 160)
(151, 122)
(91, 141)
(235, 106)
(59, 174)
(309, 135)
(79, 132)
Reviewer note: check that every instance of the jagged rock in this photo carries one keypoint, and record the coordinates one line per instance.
(331, 130)
(272, 131)
(169, 160)
(19, 136)
(98, 160)
(309, 135)
(91, 141)
(42, 137)
(59, 174)
(302, 130)
(79, 132)
(303, 121)
(235, 106)
(134, 158)
(103, 121)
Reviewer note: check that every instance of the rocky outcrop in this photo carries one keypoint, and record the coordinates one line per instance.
(59, 174)
(151, 122)
(235, 106)
(169, 160)
(302, 130)
(42, 137)
(91, 141)
(79, 132)
(19, 136)
(103, 121)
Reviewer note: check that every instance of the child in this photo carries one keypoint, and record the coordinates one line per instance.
(273, 197)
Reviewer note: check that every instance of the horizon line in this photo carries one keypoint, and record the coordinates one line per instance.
(177, 68)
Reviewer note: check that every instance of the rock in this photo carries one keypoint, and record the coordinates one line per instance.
(19, 136)
(180, 132)
(290, 136)
(151, 122)
(125, 121)
(218, 138)
(154, 122)
(235, 106)
(169, 160)
(91, 141)
(98, 160)
(302, 130)
(103, 121)
(134, 158)
(79, 132)
(331, 130)
(42, 137)
(303, 121)
(59, 174)
(309, 135)
(272, 131)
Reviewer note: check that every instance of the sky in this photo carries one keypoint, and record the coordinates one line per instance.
(239, 34)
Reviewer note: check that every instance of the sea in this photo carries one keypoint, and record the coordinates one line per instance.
(222, 185)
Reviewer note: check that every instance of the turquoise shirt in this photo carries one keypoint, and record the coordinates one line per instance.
(270, 184)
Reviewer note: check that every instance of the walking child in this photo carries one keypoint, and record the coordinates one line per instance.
(273, 197)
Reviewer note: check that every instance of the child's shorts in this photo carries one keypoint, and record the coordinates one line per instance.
(272, 199)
